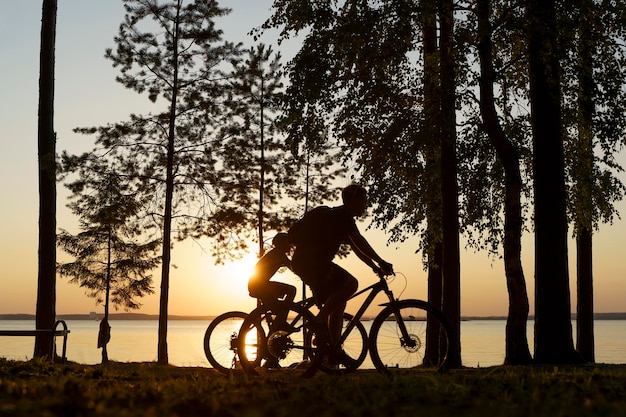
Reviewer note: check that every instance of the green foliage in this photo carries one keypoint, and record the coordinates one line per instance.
(112, 254)
(353, 82)
(256, 166)
(205, 159)
(173, 52)
(359, 74)
(593, 56)
(263, 172)
(163, 47)
(358, 79)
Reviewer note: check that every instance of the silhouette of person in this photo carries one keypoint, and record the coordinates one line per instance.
(313, 257)
(260, 285)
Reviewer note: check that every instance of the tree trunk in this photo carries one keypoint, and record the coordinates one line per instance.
(585, 341)
(46, 282)
(433, 332)
(262, 171)
(553, 326)
(104, 334)
(432, 157)
(517, 351)
(162, 354)
(583, 176)
(449, 187)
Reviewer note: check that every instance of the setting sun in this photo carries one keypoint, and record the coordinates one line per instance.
(233, 276)
(241, 269)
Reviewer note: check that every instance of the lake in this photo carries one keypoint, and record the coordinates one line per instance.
(482, 341)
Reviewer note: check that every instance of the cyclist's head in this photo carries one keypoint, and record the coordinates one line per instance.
(281, 241)
(354, 197)
(352, 192)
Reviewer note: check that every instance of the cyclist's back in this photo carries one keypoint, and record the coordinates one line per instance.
(313, 256)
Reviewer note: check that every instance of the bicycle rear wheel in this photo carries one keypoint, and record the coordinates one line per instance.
(389, 349)
(280, 346)
(220, 341)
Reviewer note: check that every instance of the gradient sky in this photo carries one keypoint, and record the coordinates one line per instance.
(87, 95)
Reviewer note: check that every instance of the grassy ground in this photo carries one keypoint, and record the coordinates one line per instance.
(130, 389)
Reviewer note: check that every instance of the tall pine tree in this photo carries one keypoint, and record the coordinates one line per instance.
(173, 52)
(113, 255)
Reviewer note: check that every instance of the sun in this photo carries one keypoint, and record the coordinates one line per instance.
(243, 267)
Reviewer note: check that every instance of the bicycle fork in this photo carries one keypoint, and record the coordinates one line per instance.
(406, 340)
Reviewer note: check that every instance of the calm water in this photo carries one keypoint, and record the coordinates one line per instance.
(482, 341)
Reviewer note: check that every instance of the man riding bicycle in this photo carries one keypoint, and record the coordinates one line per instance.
(312, 260)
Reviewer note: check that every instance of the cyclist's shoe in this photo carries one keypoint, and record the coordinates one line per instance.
(346, 360)
(334, 357)
(271, 363)
(334, 367)
(337, 357)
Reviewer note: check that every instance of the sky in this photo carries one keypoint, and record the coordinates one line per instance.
(86, 94)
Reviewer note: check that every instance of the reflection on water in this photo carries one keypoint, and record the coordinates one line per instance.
(482, 341)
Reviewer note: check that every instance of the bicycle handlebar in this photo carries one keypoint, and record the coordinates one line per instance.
(382, 275)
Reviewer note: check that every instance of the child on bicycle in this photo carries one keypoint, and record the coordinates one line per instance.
(259, 284)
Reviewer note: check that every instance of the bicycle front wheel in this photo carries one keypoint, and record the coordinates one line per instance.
(398, 337)
(280, 345)
(220, 341)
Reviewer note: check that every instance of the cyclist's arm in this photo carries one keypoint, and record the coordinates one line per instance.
(367, 254)
(366, 259)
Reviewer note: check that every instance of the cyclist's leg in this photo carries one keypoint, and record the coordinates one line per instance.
(277, 296)
(341, 285)
(353, 349)
(287, 294)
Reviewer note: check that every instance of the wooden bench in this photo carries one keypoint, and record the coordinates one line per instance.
(55, 332)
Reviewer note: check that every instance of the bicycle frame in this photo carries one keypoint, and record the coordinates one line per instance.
(374, 289)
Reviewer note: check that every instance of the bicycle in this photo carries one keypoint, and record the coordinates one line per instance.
(221, 343)
(397, 338)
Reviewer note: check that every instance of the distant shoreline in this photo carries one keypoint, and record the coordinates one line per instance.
(99, 316)
(141, 316)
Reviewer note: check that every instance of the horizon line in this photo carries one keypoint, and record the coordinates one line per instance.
(146, 316)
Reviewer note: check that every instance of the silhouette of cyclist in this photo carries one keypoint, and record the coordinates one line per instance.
(312, 260)
(260, 285)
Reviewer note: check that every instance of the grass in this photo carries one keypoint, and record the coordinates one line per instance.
(37, 388)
